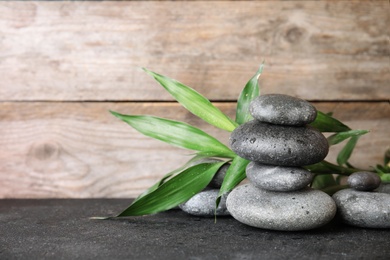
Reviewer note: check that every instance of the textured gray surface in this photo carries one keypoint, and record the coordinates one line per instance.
(279, 145)
(384, 188)
(203, 204)
(282, 110)
(363, 209)
(364, 181)
(296, 210)
(61, 229)
(278, 178)
(217, 180)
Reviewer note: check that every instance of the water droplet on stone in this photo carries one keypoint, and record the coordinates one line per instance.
(252, 140)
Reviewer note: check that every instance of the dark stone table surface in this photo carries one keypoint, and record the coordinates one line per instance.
(62, 229)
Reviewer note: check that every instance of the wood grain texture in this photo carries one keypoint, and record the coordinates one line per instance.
(317, 50)
(78, 150)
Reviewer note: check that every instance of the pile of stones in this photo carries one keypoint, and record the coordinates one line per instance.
(278, 142)
(366, 203)
(203, 203)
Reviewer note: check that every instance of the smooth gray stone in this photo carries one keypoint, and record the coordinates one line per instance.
(384, 188)
(364, 181)
(203, 204)
(217, 180)
(279, 145)
(278, 178)
(363, 209)
(282, 110)
(288, 211)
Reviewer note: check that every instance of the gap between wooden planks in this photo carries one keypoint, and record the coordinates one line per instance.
(78, 150)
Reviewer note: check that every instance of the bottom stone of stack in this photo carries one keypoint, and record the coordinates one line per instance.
(288, 211)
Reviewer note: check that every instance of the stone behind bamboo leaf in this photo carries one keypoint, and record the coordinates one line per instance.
(278, 178)
(203, 204)
(279, 145)
(282, 110)
(217, 180)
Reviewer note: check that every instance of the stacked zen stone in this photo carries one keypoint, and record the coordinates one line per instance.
(203, 203)
(366, 203)
(278, 142)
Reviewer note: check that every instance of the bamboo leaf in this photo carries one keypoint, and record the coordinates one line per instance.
(198, 159)
(330, 190)
(174, 191)
(176, 133)
(195, 102)
(234, 175)
(325, 167)
(386, 158)
(341, 136)
(346, 152)
(327, 123)
(323, 181)
(385, 177)
(250, 92)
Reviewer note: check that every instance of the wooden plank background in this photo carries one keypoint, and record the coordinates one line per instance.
(63, 65)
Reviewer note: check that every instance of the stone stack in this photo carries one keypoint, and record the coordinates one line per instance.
(279, 142)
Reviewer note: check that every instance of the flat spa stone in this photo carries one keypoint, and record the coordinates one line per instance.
(203, 204)
(364, 181)
(287, 211)
(278, 178)
(279, 145)
(363, 209)
(282, 110)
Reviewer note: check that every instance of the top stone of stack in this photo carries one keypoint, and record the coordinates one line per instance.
(281, 109)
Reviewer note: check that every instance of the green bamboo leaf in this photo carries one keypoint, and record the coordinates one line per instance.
(385, 177)
(176, 133)
(195, 102)
(174, 191)
(323, 181)
(325, 167)
(330, 190)
(327, 123)
(250, 92)
(198, 159)
(386, 158)
(234, 175)
(346, 152)
(341, 136)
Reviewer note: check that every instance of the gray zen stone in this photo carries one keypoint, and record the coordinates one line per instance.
(384, 188)
(279, 145)
(364, 181)
(217, 180)
(278, 178)
(363, 209)
(288, 211)
(282, 110)
(203, 204)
